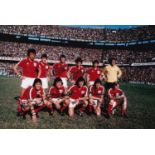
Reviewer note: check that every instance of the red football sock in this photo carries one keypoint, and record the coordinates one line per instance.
(19, 106)
(63, 107)
(39, 108)
(110, 107)
(90, 108)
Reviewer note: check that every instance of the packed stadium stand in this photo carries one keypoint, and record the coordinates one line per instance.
(134, 48)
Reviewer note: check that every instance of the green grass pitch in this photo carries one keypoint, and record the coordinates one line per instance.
(141, 111)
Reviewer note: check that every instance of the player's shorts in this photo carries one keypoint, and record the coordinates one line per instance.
(37, 101)
(91, 83)
(73, 103)
(44, 83)
(94, 103)
(54, 100)
(27, 82)
(24, 104)
(64, 80)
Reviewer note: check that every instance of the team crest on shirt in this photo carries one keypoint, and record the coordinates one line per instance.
(60, 91)
(35, 64)
(98, 72)
(46, 67)
(65, 68)
(82, 92)
(99, 92)
(82, 70)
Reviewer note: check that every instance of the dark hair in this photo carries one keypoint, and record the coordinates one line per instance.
(111, 59)
(56, 81)
(31, 50)
(97, 81)
(44, 56)
(37, 81)
(114, 84)
(80, 79)
(62, 56)
(95, 61)
(78, 60)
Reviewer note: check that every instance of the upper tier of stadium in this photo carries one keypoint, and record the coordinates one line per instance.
(132, 33)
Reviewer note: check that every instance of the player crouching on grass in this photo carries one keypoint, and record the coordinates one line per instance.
(96, 97)
(34, 99)
(56, 96)
(117, 98)
(78, 94)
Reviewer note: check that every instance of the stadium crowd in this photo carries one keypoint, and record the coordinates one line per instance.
(143, 74)
(137, 33)
(11, 49)
(19, 50)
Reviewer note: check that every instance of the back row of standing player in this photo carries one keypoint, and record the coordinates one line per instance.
(34, 72)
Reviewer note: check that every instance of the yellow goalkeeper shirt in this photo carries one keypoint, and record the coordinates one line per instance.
(112, 73)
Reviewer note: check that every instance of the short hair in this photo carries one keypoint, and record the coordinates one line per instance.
(56, 81)
(78, 60)
(62, 56)
(31, 50)
(95, 61)
(44, 56)
(37, 80)
(80, 79)
(97, 81)
(111, 59)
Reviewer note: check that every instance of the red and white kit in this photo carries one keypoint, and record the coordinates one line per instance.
(29, 72)
(76, 93)
(115, 95)
(96, 92)
(77, 72)
(60, 70)
(31, 94)
(94, 73)
(43, 76)
(57, 94)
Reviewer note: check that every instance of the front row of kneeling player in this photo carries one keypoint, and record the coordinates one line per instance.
(78, 97)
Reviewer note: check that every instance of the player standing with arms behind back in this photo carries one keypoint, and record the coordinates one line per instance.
(29, 72)
(44, 71)
(60, 70)
(77, 71)
(94, 73)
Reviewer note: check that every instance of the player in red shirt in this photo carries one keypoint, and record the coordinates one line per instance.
(94, 73)
(96, 97)
(60, 70)
(57, 96)
(78, 94)
(29, 72)
(76, 71)
(117, 98)
(33, 99)
(44, 71)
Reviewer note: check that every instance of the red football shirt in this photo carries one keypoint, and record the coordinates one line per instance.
(97, 92)
(44, 69)
(77, 72)
(78, 92)
(29, 68)
(60, 70)
(115, 92)
(94, 73)
(31, 93)
(57, 92)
